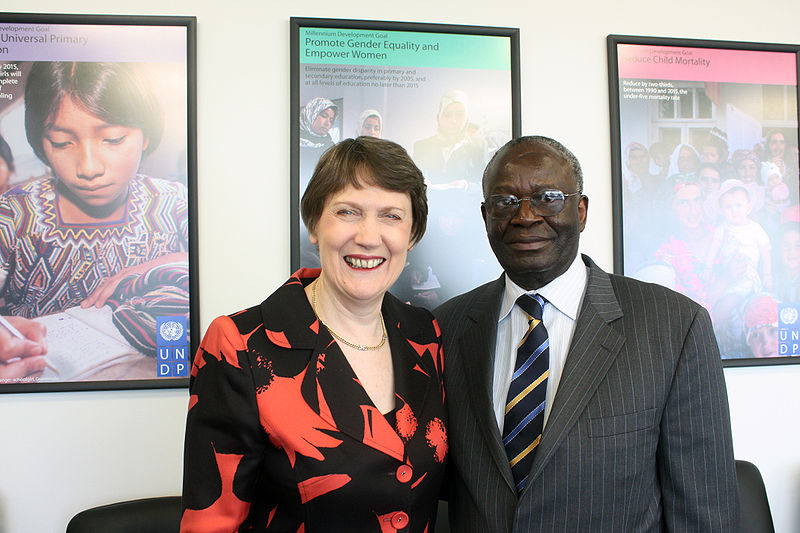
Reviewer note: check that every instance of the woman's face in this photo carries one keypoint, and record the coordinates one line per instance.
(688, 206)
(776, 145)
(5, 173)
(453, 119)
(93, 159)
(363, 237)
(687, 161)
(747, 170)
(371, 127)
(324, 122)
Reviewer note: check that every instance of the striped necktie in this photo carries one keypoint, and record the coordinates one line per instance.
(524, 418)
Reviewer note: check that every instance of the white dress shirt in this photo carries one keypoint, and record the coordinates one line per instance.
(564, 296)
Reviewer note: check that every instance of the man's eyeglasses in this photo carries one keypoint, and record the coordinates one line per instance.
(546, 203)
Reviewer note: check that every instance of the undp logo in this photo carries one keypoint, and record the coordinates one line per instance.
(171, 331)
(788, 316)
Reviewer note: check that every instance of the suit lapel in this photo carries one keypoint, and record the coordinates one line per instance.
(479, 339)
(595, 345)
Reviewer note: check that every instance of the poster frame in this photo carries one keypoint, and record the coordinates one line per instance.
(297, 23)
(189, 23)
(613, 41)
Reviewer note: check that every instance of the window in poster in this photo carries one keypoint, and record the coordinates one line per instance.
(97, 225)
(448, 94)
(705, 183)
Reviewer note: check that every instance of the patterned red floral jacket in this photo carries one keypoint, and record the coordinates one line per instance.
(282, 437)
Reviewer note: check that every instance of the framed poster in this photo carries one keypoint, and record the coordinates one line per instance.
(98, 239)
(705, 183)
(448, 94)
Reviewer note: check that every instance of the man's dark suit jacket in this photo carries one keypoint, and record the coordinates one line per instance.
(638, 439)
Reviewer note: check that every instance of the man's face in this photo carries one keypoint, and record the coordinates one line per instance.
(534, 250)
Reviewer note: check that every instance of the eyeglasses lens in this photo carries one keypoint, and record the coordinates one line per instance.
(544, 204)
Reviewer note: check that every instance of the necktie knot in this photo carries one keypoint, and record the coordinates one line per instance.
(532, 304)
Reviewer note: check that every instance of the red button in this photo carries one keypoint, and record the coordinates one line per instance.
(404, 473)
(399, 520)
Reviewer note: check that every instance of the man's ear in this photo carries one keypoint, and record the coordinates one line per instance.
(583, 210)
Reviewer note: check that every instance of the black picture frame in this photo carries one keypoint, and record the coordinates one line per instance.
(155, 309)
(726, 113)
(405, 73)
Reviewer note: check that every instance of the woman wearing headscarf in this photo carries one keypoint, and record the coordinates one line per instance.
(456, 155)
(316, 121)
(683, 163)
(370, 124)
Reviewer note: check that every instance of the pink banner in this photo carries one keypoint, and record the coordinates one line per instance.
(706, 64)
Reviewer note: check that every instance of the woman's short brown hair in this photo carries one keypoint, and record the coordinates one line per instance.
(361, 162)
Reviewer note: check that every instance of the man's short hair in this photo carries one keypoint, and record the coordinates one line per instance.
(562, 150)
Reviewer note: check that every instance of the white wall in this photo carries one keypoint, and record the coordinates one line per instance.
(62, 452)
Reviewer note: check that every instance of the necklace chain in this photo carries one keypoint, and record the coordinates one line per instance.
(360, 347)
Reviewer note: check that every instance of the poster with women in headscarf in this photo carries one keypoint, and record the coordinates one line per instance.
(706, 183)
(447, 94)
(96, 224)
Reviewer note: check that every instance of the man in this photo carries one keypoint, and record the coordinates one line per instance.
(636, 430)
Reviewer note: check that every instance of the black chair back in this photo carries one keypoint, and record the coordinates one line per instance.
(148, 515)
(755, 514)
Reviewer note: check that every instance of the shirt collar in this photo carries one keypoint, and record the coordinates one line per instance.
(565, 292)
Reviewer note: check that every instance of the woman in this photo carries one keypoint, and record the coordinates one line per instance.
(370, 124)
(316, 121)
(456, 155)
(316, 128)
(72, 238)
(683, 163)
(322, 408)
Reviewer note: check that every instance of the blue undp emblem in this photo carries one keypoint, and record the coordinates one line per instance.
(171, 330)
(172, 350)
(789, 330)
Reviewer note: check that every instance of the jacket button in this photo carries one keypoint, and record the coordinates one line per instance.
(399, 520)
(404, 473)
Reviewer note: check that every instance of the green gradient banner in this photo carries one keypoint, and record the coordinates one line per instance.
(403, 49)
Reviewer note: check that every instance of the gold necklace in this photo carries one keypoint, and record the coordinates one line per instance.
(360, 347)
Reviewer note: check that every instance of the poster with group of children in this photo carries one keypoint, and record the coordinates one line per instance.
(708, 152)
